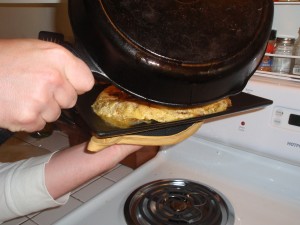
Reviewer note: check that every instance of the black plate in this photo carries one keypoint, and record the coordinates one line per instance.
(240, 102)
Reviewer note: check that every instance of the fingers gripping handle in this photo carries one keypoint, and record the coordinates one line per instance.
(77, 49)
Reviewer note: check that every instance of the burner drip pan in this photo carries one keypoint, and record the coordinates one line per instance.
(177, 202)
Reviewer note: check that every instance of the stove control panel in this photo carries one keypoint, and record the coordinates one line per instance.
(273, 131)
(286, 118)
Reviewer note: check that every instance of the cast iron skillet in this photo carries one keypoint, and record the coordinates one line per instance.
(241, 103)
(173, 52)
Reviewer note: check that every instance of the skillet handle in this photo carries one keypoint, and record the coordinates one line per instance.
(82, 53)
(67, 115)
(77, 50)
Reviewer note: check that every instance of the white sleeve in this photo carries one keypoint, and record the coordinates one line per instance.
(23, 189)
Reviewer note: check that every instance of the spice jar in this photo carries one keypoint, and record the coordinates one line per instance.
(266, 63)
(284, 47)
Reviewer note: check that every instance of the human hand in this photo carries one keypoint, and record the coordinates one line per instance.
(37, 80)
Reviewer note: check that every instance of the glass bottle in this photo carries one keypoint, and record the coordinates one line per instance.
(296, 52)
(283, 46)
(266, 63)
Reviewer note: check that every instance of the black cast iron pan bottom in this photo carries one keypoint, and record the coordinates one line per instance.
(99, 128)
(141, 46)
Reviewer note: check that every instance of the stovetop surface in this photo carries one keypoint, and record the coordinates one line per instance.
(260, 176)
(261, 190)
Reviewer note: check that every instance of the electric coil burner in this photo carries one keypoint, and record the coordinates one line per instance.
(177, 202)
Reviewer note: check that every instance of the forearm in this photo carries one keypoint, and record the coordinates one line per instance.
(72, 167)
(22, 188)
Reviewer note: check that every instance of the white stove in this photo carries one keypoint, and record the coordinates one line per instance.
(251, 160)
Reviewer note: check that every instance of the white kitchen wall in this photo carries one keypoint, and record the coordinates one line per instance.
(30, 1)
(26, 19)
(287, 19)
